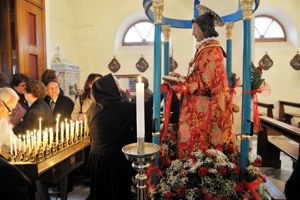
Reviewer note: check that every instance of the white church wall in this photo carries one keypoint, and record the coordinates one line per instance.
(282, 78)
(60, 30)
(93, 44)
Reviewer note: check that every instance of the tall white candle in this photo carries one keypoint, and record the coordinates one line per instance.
(140, 109)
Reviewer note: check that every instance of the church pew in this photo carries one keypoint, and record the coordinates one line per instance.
(269, 108)
(287, 116)
(275, 193)
(269, 147)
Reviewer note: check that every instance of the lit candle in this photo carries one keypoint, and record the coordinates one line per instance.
(51, 136)
(34, 139)
(40, 125)
(27, 142)
(67, 130)
(81, 128)
(140, 116)
(15, 147)
(24, 143)
(57, 128)
(76, 129)
(62, 129)
(85, 126)
(20, 143)
(72, 130)
(11, 139)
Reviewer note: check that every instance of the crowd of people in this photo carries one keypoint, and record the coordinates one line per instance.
(111, 118)
(205, 116)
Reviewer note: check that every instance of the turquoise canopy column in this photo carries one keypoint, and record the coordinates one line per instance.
(229, 29)
(246, 103)
(166, 29)
(158, 6)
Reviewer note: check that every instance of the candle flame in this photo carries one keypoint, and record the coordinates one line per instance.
(139, 79)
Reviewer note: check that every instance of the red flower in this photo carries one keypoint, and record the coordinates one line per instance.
(184, 146)
(202, 171)
(166, 161)
(204, 145)
(219, 147)
(240, 187)
(231, 148)
(237, 169)
(168, 195)
(181, 192)
(257, 162)
(222, 170)
(173, 135)
(259, 69)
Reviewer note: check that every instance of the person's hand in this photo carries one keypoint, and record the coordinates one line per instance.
(81, 116)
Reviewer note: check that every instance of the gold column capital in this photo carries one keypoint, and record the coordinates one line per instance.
(247, 9)
(229, 30)
(166, 29)
(158, 8)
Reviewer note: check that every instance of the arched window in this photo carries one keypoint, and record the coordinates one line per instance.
(139, 33)
(268, 29)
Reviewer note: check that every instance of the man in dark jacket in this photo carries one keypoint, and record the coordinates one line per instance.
(58, 103)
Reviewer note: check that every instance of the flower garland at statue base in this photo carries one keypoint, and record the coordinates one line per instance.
(210, 174)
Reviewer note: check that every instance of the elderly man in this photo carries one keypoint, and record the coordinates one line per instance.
(14, 185)
(8, 101)
(58, 103)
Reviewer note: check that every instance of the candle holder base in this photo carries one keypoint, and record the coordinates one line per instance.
(140, 162)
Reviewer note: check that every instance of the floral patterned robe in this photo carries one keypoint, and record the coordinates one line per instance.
(206, 112)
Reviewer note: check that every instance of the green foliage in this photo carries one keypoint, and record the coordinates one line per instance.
(256, 77)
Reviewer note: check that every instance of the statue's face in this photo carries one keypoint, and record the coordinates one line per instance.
(197, 33)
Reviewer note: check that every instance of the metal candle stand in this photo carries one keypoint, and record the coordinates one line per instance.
(141, 154)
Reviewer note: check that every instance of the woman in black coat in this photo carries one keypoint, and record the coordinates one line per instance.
(112, 122)
(35, 93)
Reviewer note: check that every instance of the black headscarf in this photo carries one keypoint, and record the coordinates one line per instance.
(106, 90)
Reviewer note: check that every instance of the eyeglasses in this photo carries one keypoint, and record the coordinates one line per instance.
(8, 109)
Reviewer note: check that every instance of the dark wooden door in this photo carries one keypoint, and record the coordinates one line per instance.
(30, 37)
(5, 38)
